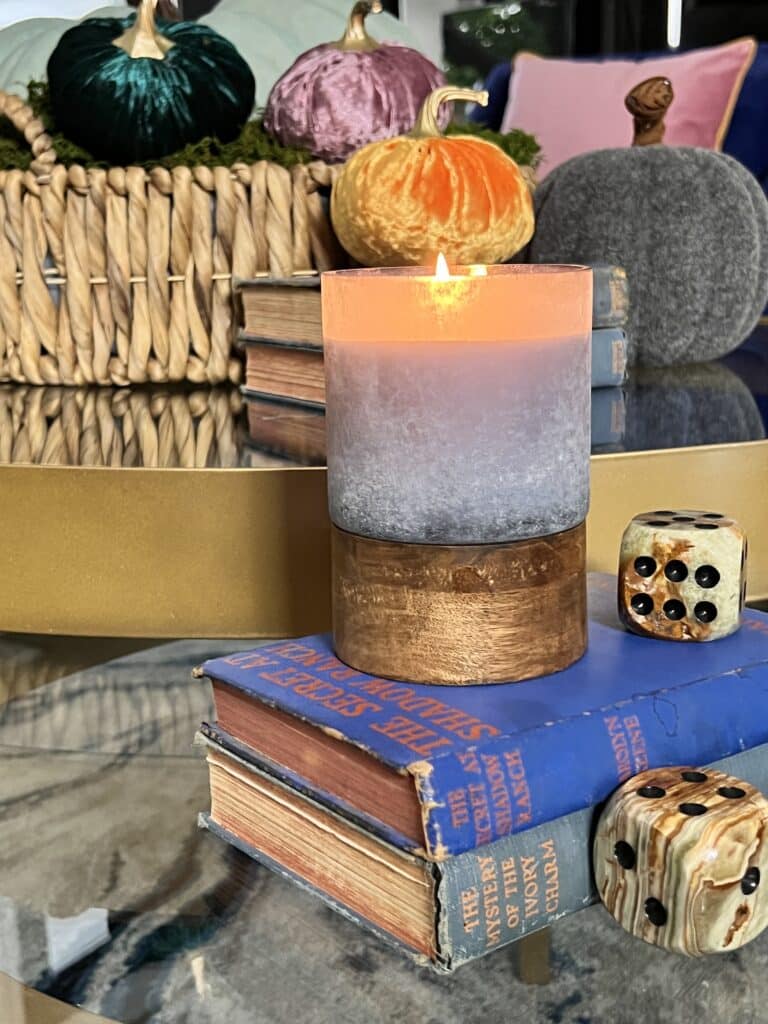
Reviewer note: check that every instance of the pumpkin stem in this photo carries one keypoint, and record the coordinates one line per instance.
(142, 39)
(648, 104)
(426, 123)
(356, 37)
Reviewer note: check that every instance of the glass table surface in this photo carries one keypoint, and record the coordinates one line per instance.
(113, 901)
(719, 402)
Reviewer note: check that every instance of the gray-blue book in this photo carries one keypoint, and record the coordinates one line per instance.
(440, 914)
(610, 296)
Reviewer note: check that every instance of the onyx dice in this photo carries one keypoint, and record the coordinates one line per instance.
(682, 575)
(681, 860)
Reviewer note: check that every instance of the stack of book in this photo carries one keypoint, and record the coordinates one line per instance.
(282, 338)
(610, 312)
(284, 387)
(454, 820)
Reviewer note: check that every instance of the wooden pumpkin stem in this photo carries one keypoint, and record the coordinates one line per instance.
(427, 124)
(356, 37)
(648, 104)
(143, 39)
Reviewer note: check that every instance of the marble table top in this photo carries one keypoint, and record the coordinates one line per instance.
(112, 900)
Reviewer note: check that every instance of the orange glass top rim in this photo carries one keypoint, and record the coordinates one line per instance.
(512, 302)
(461, 270)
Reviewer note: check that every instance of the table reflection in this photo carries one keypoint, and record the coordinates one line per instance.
(111, 898)
(59, 426)
(683, 406)
(206, 428)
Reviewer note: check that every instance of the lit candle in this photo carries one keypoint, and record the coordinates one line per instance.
(458, 404)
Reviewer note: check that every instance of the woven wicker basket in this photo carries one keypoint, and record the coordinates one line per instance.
(123, 276)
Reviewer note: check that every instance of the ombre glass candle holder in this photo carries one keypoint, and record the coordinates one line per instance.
(458, 421)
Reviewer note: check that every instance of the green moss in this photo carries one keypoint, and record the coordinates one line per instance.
(522, 147)
(252, 144)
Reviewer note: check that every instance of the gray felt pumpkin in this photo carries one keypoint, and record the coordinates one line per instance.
(689, 225)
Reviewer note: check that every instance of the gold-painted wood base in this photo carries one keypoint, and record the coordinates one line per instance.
(459, 614)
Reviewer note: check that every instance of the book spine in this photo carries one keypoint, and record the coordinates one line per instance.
(610, 296)
(609, 357)
(509, 784)
(500, 893)
(503, 892)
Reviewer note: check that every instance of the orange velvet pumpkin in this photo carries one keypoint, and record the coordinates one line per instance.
(401, 201)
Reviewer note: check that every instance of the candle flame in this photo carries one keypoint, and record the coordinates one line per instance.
(442, 273)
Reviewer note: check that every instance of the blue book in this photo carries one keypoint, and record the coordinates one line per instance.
(440, 770)
(609, 357)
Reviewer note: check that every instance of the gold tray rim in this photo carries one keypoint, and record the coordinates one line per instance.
(246, 552)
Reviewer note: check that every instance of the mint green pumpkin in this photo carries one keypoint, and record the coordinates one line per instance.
(130, 89)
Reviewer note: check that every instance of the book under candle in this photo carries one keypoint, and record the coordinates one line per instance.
(445, 769)
(452, 821)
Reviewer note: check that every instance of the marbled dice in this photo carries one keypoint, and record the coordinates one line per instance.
(680, 855)
(682, 575)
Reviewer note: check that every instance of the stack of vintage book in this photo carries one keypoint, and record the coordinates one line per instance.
(454, 820)
(284, 378)
(283, 339)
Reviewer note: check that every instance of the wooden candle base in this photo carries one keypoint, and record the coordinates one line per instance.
(459, 614)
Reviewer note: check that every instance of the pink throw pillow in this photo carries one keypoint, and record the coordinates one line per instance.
(575, 106)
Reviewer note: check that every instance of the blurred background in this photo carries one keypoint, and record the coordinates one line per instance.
(476, 35)
(471, 36)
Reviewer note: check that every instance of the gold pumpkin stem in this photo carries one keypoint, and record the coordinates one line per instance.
(356, 37)
(143, 39)
(648, 104)
(426, 123)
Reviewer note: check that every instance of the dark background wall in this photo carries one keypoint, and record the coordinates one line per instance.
(625, 26)
(641, 25)
(196, 8)
(476, 38)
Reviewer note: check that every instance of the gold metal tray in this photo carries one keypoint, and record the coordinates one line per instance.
(146, 512)
(245, 552)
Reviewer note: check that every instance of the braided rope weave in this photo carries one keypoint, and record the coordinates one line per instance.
(63, 426)
(122, 276)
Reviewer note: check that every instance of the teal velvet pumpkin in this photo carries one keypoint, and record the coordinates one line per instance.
(130, 89)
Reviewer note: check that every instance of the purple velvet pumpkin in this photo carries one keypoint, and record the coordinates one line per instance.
(338, 97)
